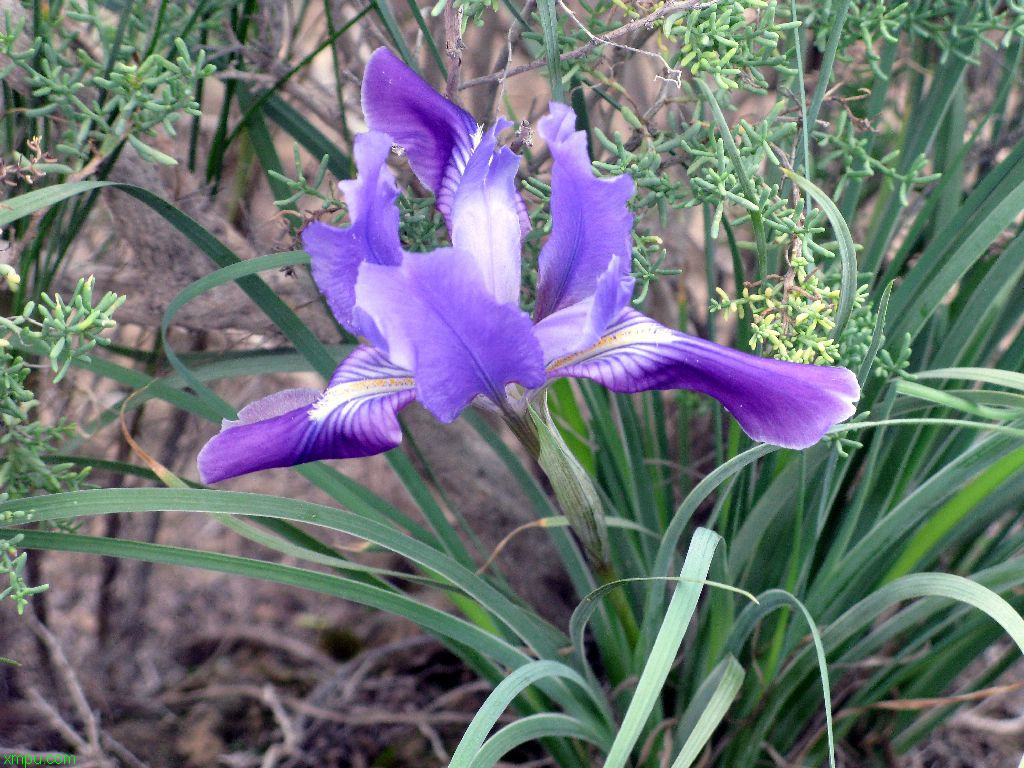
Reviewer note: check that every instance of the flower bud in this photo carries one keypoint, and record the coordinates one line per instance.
(574, 489)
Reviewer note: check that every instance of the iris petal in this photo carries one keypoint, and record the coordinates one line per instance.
(590, 222)
(355, 416)
(336, 253)
(580, 325)
(438, 137)
(439, 321)
(787, 404)
(486, 216)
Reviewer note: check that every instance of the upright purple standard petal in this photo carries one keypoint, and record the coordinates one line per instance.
(485, 216)
(438, 137)
(439, 321)
(336, 253)
(580, 325)
(786, 404)
(590, 223)
(355, 416)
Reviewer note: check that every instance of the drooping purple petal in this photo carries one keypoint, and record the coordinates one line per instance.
(438, 137)
(439, 321)
(590, 222)
(787, 404)
(486, 216)
(336, 253)
(580, 325)
(355, 416)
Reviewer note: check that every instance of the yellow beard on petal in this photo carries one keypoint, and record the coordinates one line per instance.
(342, 394)
(639, 333)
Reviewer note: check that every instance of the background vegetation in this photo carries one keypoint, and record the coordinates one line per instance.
(833, 182)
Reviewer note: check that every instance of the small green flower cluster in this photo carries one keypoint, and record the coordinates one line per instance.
(300, 187)
(421, 226)
(793, 317)
(648, 157)
(104, 91)
(889, 365)
(729, 43)
(797, 328)
(649, 255)
(855, 339)
(12, 564)
(849, 149)
(540, 228)
(61, 331)
(715, 179)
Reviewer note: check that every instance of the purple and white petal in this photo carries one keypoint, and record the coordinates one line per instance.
(590, 222)
(787, 404)
(337, 252)
(439, 321)
(580, 325)
(486, 219)
(355, 416)
(438, 137)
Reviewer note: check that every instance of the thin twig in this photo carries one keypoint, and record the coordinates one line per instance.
(608, 38)
(597, 40)
(776, 756)
(57, 722)
(70, 679)
(504, 59)
(436, 745)
(288, 731)
(119, 749)
(515, 31)
(652, 739)
(365, 716)
(541, 523)
(453, 47)
(261, 636)
(1010, 727)
(373, 716)
(289, 734)
(364, 662)
(271, 756)
(466, 689)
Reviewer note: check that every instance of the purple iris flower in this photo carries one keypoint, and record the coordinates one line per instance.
(445, 328)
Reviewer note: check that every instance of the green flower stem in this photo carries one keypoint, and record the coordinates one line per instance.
(576, 495)
(620, 604)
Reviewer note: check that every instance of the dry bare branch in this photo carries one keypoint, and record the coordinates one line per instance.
(608, 38)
